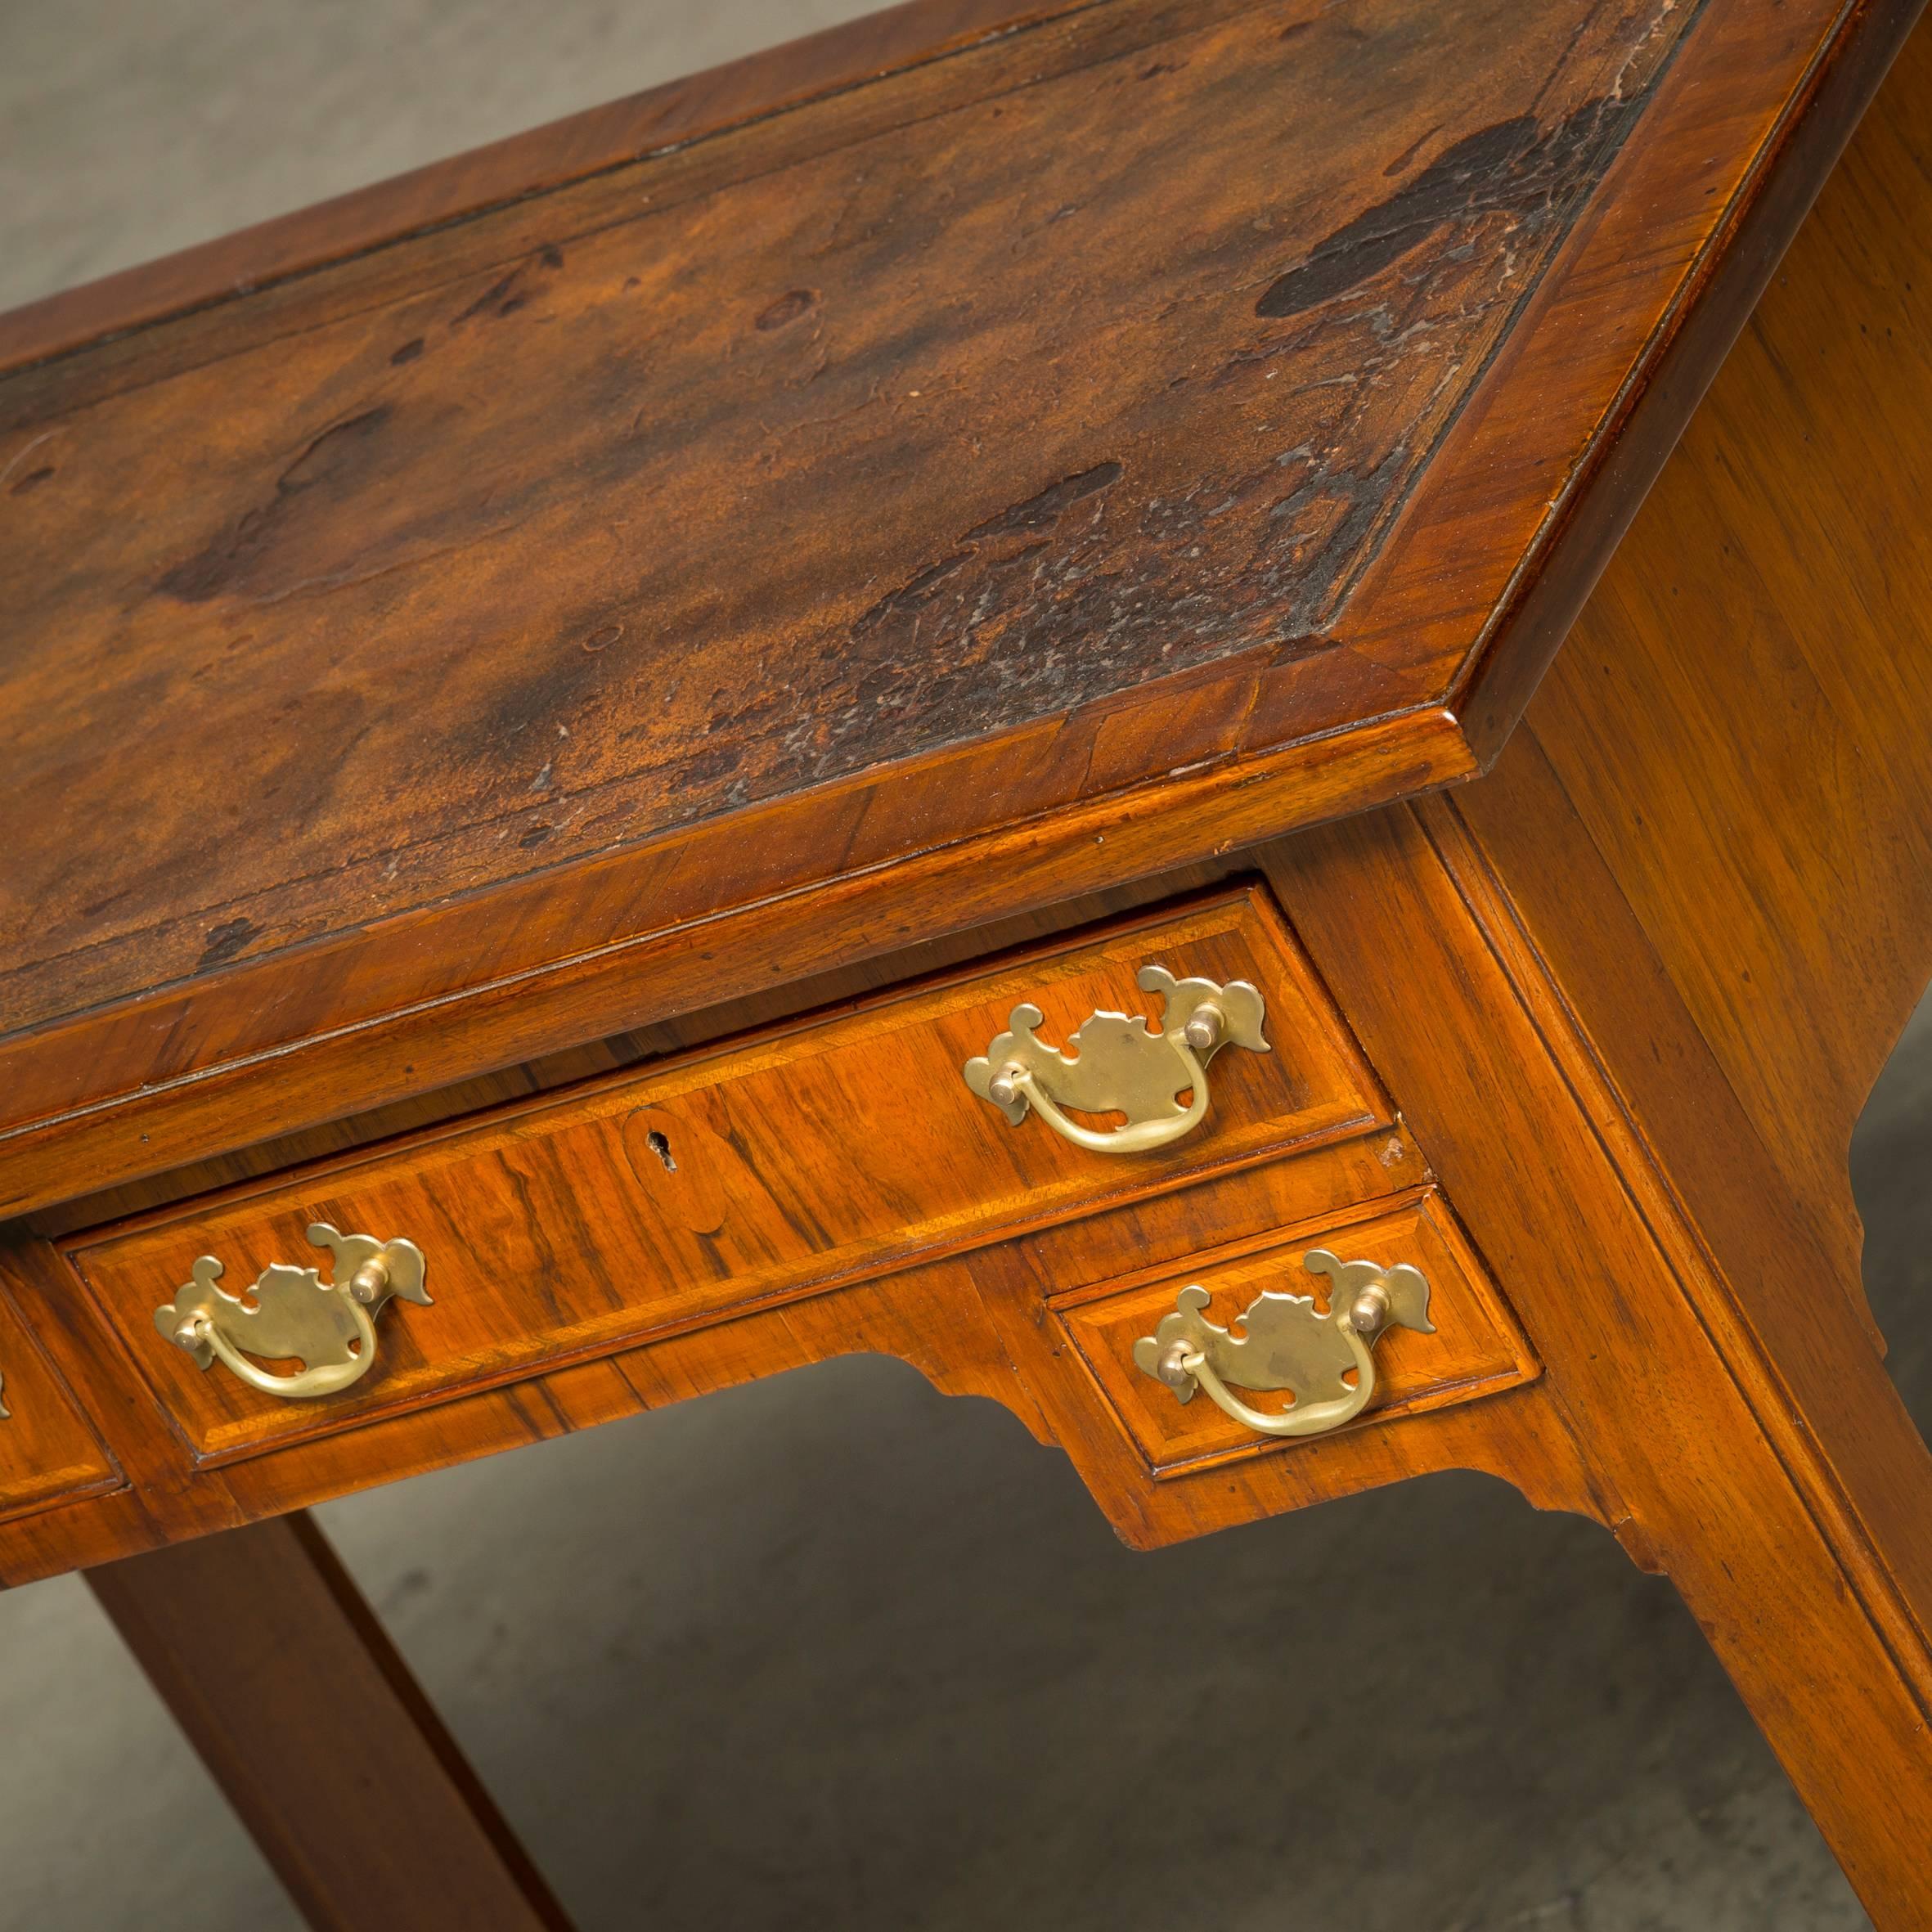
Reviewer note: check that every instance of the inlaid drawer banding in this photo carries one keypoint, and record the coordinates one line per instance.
(837, 1149)
(834, 1148)
(1443, 1333)
(49, 1452)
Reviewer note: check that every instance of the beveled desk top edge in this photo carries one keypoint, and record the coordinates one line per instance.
(261, 1059)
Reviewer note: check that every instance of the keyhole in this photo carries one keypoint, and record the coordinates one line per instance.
(661, 1147)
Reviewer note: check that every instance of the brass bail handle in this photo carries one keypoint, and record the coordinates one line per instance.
(1114, 1062)
(1287, 1344)
(293, 1315)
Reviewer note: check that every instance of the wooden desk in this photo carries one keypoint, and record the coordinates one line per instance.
(549, 709)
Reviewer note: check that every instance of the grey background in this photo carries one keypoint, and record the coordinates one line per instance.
(833, 1651)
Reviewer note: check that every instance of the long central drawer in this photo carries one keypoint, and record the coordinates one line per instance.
(832, 1148)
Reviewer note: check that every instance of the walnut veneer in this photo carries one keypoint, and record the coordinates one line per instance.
(639, 649)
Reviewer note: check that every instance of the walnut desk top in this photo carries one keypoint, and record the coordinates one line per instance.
(982, 455)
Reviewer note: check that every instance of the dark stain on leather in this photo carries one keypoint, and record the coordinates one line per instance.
(1037, 512)
(787, 309)
(332, 463)
(1509, 167)
(225, 941)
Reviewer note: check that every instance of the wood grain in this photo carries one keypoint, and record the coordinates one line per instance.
(978, 1323)
(1696, 333)
(47, 1449)
(1712, 834)
(1694, 1383)
(1621, 997)
(772, 1003)
(1192, 457)
(268, 1659)
(184, 1117)
(1351, 357)
(1475, 1348)
(772, 1169)
(1784, 872)
(655, 122)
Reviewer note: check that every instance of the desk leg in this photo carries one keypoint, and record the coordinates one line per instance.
(311, 1725)
(1693, 1323)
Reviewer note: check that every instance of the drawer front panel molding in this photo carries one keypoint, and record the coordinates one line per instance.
(47, 1451)
(825, 1152)
(1473, 1347)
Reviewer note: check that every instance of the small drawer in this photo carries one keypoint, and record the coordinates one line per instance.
(824, 1150)
(1475, 1349)
(47, 1451)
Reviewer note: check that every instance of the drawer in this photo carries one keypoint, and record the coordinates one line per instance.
(47, 1451)
(1475, 1349)
(777, 1165)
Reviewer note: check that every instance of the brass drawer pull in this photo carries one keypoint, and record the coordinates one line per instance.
(1288, 1345)
(1118, 1066)
(329, 1326)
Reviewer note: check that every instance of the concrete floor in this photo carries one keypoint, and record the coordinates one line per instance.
(832, 1651)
